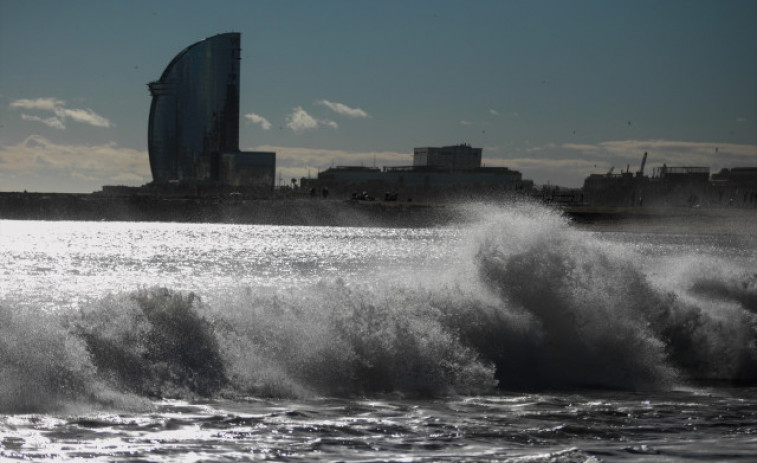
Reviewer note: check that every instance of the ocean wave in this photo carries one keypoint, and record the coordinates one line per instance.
(526, 302)
(601, 320)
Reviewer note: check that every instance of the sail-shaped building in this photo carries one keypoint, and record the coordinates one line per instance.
(193, 131)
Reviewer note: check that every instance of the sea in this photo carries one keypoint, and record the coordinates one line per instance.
(516, 335)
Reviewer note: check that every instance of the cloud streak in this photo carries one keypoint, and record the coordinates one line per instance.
(672, 153)
(41, 104)
(53, 122)
(60, 115)
(571, 163)
(343, 109)
(38, 164)
(297, 162)
(84, 116)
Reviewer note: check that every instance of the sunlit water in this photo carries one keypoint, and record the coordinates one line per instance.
(515, 337)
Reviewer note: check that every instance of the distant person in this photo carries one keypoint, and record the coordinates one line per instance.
(325, 192)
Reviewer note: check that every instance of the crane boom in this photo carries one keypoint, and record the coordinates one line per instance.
(643, 163)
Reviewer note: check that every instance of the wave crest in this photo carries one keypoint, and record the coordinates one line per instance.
(152, 342)
(524, 302)
(337, 339)
(41, 366)
(600, 320)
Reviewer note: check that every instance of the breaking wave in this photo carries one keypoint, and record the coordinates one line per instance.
(526, 303)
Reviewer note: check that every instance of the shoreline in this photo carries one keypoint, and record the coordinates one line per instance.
(336, 212)
(670, 219)
(283, 211)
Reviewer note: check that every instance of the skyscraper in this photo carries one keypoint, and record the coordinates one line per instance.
(193, 131)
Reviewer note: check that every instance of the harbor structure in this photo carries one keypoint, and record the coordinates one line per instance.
(193, 128)
(451, 158)
(670, 186)
(444, 172)
(736, 186)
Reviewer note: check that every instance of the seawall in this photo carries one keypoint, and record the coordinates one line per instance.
(328, 212)
(310, 211)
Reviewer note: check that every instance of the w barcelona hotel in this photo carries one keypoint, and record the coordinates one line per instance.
(193, 132)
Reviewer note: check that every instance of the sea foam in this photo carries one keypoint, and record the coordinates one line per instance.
(521, 301)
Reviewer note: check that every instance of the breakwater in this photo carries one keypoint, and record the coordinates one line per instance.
(95, 207)
(336, 212)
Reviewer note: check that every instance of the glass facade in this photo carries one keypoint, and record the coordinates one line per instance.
(194, 115)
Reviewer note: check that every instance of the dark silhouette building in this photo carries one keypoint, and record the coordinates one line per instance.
(447, 172)
(450, 158)
(193, 131)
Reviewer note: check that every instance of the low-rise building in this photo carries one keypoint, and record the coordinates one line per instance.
(450, 158)
(451, 171)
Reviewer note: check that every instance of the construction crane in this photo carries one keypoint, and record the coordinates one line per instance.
(640, 173)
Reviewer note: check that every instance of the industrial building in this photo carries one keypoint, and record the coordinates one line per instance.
(673, 186)
(452, 158)
(736, 186)
(193, 131)
(436, 172)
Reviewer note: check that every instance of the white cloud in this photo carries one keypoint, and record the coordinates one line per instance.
(343, 109)
(60, 113)
(300, 121)
(42, 104)
(85, 116)
(38, 164)
(260, 120)
(494, 112)
(53, 122)
(465, 123)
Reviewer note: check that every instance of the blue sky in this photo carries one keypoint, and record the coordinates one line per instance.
(554, 89)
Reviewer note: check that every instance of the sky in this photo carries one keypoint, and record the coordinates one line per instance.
(557, 90)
